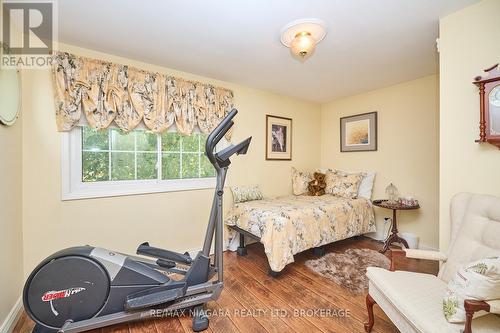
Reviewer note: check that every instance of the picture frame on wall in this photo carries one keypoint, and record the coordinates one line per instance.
(359, 132)
(278, 138)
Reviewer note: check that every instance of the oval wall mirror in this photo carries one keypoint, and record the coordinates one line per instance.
(10, 93)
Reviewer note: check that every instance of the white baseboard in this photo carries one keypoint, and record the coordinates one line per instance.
(12, 318)
(427, 247)
(375, 236)
(194, 252)
(421, 246)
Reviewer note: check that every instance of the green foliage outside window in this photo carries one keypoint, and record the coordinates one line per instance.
(171, 164)
(95, 166)
(184, 156)
(146, 165)
(112, 155)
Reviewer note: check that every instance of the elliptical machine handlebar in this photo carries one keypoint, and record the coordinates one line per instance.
(221, 159)
(216, 135)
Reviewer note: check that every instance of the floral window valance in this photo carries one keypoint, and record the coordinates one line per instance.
(106, 92)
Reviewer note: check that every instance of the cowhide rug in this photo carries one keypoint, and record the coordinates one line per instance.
(348, 268)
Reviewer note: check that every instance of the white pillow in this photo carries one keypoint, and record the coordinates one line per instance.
(365, 188)
(479, 280)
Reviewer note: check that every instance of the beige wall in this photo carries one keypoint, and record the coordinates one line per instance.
(469, 42)
(176, 220)
(407, 149)
(11, 239)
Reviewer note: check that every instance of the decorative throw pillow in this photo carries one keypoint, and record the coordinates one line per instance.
(365, 187)
(246, 193)
(479, 280)
(343, 184)
(300, 181)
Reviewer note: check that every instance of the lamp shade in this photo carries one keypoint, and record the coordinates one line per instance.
(303, 45)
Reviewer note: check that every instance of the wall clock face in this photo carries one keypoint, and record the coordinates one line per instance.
(494, 110)
(495, 96)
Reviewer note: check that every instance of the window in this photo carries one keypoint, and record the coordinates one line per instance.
(111, 162)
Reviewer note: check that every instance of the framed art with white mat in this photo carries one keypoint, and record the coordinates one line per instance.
(359, 132)
(278, 138)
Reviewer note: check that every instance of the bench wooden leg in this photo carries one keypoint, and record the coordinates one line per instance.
(472, 306)
(370, 302)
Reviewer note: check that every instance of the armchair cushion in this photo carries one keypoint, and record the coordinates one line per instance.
(417, 298)
(475, 231)
(479, 280)
(494, 306)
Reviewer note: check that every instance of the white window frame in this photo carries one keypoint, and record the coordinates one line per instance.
(73, 188)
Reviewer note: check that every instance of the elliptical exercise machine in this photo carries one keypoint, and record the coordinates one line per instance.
(83, 288)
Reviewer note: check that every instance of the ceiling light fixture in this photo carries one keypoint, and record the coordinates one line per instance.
(302, 36)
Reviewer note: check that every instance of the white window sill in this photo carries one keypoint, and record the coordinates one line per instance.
(121, 188)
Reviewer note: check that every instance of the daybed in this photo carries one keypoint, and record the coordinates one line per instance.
(292, 224)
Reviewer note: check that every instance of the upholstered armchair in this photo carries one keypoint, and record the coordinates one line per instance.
(413, 301)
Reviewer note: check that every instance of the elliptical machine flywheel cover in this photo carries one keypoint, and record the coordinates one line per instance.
(69, 287)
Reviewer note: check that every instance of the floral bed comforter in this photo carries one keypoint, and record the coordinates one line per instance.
(292, 224)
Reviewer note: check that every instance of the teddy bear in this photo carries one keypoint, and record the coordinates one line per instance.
(317, 185)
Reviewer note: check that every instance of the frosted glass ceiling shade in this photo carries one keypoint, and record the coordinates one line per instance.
(303, 45)
(302, 36)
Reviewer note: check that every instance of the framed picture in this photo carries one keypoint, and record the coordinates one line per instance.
(278, 138)
(359, 132)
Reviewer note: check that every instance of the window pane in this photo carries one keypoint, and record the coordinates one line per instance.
(122, 166)
(171, 167)
(95, 166)
(94, 140)
(133, 156)
(146, 165)
(190, 165)
(146, 141)
(171, 142)
(207, 169)
(122, 141)
(190, 143)
(203, 141)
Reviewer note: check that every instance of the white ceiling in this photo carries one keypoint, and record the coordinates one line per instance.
(370, 44)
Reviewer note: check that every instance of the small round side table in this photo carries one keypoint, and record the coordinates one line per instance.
(394, 237)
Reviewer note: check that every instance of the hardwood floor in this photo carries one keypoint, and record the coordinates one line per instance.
(254, 302)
